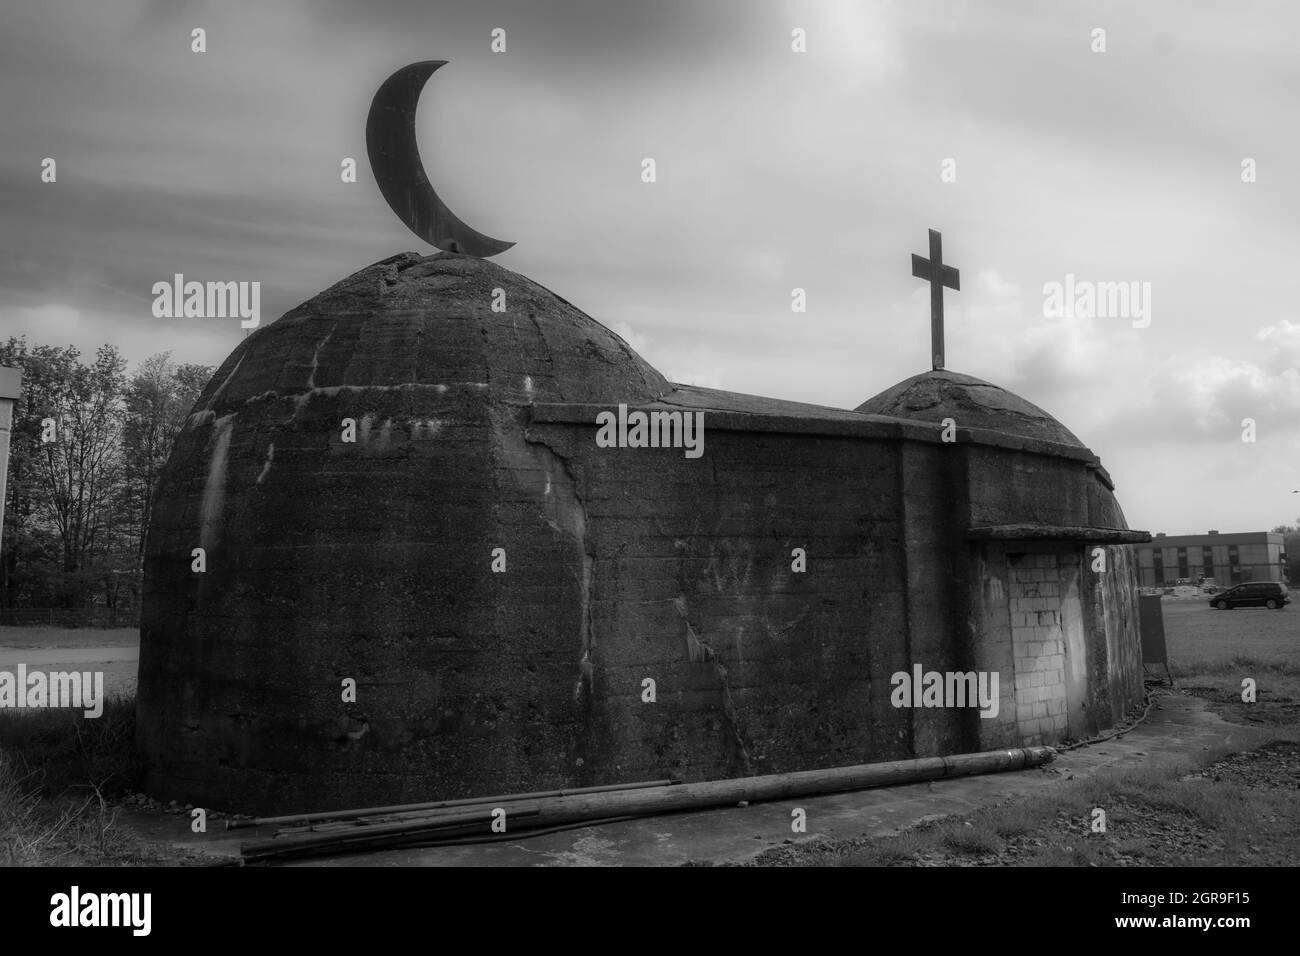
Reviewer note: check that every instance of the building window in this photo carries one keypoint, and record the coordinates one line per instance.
(1158, 566)
(1207, 562)
(1184, 571)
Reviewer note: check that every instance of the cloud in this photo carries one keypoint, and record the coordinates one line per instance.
(1282, 344)
(61, 325)
(1201, 397)
(633, 338)
(991, 283)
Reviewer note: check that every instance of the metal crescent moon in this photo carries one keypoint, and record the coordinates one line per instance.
(395, 162)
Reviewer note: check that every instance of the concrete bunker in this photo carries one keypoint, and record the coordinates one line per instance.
(371, 560)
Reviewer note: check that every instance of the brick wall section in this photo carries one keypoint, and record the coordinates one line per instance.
(1038, 648)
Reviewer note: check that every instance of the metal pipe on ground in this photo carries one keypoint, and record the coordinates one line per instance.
(592, 807)
(457, 824)
(300, 818)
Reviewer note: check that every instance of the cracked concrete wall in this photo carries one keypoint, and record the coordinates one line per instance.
(936, 507)
(757, 668)
(1116, 641)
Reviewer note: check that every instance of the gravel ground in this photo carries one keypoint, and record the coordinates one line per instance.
(1139, 833)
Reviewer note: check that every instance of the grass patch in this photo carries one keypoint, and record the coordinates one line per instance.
(58, 773)
(902, 850)
(1161, 814)
(1235, 667)
(1008, 822)
(1219, 681)
(56, 751)
(966, 837)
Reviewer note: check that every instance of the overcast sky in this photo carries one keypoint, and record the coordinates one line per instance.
(775, 170)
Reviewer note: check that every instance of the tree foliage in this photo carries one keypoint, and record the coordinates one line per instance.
(87, 446)
(1291, 543)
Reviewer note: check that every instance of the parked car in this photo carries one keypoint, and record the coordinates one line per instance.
(1269, 594)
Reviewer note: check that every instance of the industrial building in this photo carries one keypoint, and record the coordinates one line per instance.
(1226, 559)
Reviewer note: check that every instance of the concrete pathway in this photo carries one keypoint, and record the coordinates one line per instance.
(119, 662)
(48, 658)
(1177, 727)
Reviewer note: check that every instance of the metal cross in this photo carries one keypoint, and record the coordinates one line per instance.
(938, 275)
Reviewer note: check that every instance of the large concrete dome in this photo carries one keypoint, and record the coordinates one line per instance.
(367, 559)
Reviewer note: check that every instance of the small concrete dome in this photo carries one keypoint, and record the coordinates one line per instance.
(971, 402)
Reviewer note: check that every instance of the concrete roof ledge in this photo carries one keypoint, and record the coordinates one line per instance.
(797, 419)
(1055, 532)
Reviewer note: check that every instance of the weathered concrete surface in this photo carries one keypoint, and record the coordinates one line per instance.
(1177, 727)
(971, 402)
(372, 560)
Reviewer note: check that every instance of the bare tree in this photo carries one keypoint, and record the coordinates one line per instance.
(87, 449)
(81, 413)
